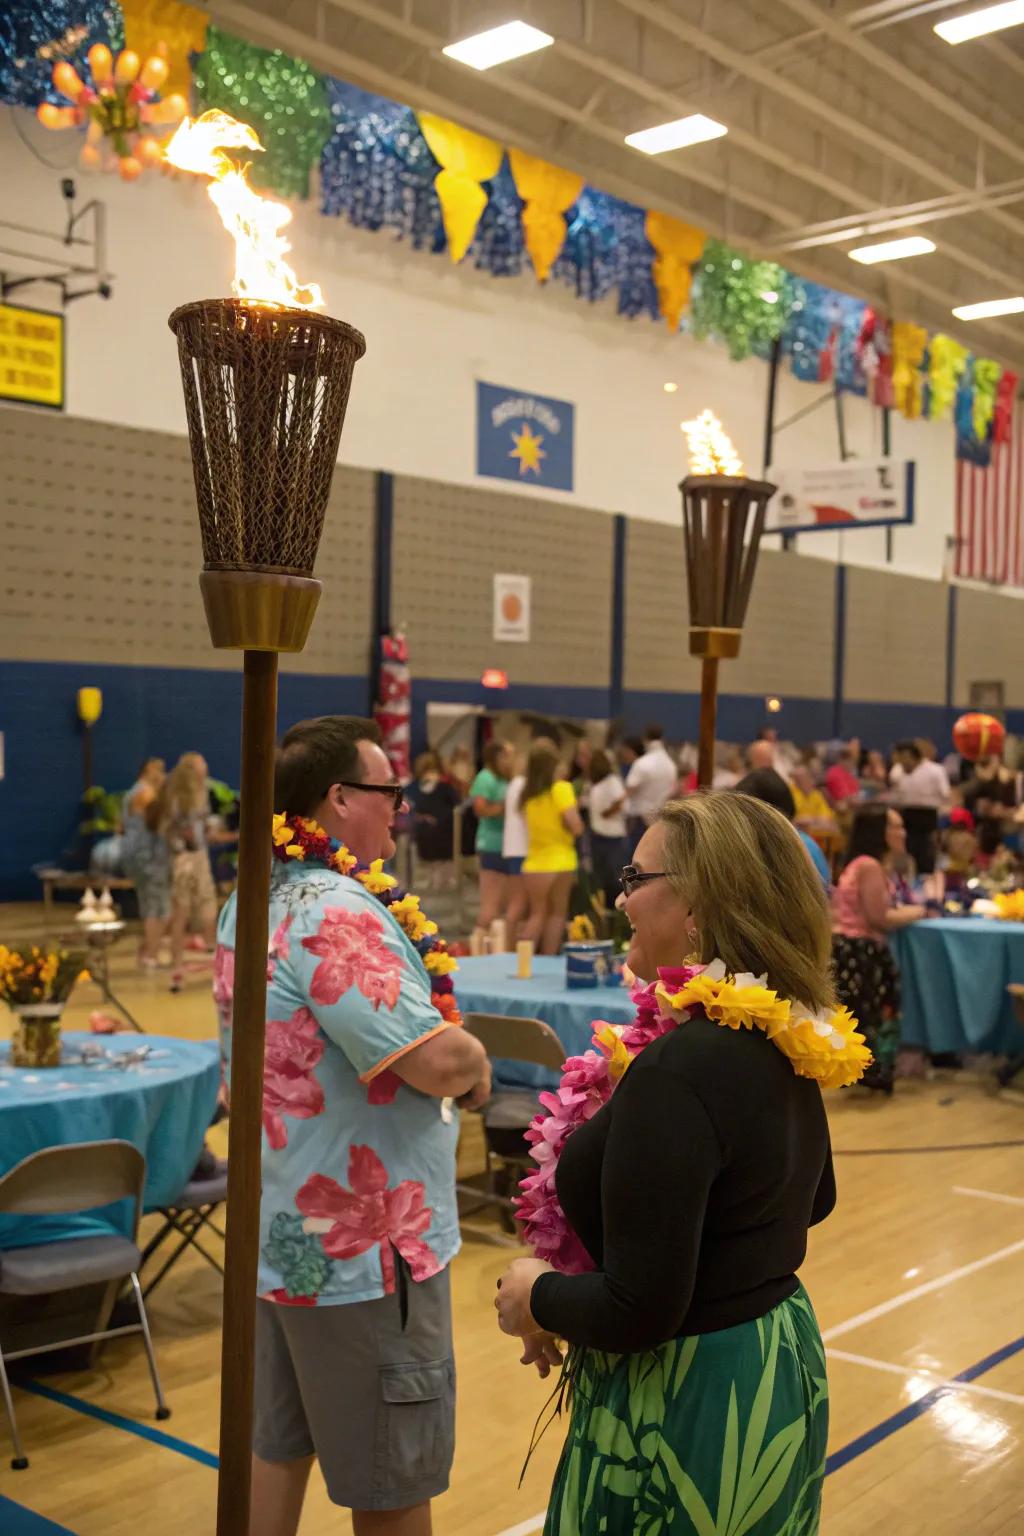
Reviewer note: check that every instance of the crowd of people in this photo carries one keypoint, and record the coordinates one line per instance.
(892, 838)
(553, 822)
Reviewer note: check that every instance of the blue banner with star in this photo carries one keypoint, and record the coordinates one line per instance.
(523, 437)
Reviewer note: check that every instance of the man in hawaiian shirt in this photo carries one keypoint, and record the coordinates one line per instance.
(358, 1223)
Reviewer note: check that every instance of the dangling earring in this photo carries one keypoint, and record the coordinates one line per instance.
(693, 958)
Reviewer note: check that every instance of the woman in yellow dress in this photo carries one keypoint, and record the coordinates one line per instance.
(553, 823)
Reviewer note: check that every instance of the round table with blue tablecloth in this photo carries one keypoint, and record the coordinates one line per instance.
(157, 1092)
(488, 984)
(954, 973)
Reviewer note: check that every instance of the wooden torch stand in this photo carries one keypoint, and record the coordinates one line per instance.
(723, 520)
(266, 388)
(262, 614)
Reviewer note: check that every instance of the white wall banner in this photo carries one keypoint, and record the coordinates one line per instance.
(511, 607)
(860, 493)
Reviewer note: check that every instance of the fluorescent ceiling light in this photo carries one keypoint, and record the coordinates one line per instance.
(990, 309)
(994, 18)
(892, 250)
(694, 129)
(498, 45)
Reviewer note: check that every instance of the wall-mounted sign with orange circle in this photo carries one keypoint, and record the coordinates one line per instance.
(512, 608)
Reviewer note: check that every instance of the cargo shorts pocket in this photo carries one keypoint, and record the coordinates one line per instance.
(416, 1426)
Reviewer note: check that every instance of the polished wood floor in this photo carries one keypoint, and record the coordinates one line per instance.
(917, 1278)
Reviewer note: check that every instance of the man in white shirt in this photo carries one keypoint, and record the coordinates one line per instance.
(920, 791)
(651, 780)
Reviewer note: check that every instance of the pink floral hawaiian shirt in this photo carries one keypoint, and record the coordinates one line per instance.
(356, 1166)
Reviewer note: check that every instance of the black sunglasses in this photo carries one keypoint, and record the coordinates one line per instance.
(396, 791)
(630, 877)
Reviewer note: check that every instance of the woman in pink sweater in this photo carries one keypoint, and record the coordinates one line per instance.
(865, 910)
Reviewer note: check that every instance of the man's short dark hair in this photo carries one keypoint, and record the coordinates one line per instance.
(912, 749)
(767, 785)
(316, 754)
(654, 733)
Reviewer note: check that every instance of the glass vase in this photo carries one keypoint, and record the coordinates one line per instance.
(35, 1039)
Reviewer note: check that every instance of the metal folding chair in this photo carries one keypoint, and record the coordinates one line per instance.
(506, 1038)
(58, 1182)
(189, 1216)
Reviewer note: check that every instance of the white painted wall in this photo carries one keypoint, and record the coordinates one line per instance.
(432, 330)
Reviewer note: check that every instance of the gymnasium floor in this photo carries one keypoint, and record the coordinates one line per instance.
(918, 1282)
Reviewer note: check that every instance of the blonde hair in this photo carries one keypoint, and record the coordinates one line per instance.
(756, 898)
(184, 792)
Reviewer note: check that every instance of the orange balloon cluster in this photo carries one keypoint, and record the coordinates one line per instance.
(120, 104)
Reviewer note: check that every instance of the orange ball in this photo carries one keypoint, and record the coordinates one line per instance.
(90, 157)
(129, 167)
(977, 735)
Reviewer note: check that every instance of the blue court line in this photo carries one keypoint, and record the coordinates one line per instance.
(915, 1410)
(15, 1520)
(838, 1459)
(118, 1421)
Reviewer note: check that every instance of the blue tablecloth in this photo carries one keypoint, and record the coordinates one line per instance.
(488, 984)
(955, 972)
(163, 1105)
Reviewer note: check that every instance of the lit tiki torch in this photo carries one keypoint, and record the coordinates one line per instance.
(266, 385)
(723, 520)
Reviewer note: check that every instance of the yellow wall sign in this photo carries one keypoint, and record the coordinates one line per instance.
(31, 356)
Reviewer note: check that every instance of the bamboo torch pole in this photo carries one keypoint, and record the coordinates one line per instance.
(708, 718)
(259, 723)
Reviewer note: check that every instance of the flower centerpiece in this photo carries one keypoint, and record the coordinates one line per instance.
(825, 1046)
(1009, 906)
(35, 983)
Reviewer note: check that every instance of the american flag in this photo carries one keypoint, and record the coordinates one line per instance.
(990, 511)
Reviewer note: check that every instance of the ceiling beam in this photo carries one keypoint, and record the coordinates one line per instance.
(265, 28)
(945, 104)
(770, 208)
(275, 34)
(851, 127)
(972, 200)
(531, 96)
(629, 80)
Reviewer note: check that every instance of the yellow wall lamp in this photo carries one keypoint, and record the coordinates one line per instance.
(90, 707)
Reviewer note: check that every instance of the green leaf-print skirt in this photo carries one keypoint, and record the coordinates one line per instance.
(720, 1434)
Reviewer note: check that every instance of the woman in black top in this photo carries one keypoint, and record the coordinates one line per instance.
(699, 1391)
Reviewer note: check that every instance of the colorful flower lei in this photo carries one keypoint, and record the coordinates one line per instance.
(824, 1045)
(298, 839)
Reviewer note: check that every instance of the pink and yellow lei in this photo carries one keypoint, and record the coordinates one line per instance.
(825, 1046)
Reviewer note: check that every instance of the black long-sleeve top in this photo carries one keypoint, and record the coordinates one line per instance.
(692, 1190)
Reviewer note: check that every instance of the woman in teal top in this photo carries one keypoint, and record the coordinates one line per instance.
(487, 793)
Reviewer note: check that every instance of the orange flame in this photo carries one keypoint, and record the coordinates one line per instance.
(710, 448)
(252, 221)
